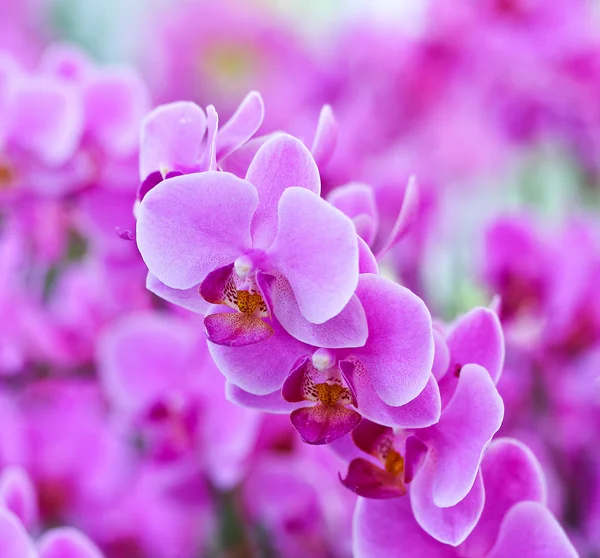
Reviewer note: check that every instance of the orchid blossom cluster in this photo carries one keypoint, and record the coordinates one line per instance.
(285, 324)
(299, 321)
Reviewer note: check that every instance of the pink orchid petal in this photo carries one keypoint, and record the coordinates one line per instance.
(280, 163)
(477, 338)
(239, 161)
(511, 474)
(357, 200)
(424, 410)
(415, 453)
(365, 227)
(529, 529)
(406, 217)
(66, 542)
(240, 128)
(189, 299)
(322, 424)
(14, 540)
(191, 224)
(115, 102)
(212, 289)
(261, 368)
(292, 387)
(387, 529)
(367, 435)
(66, 61)
(398, 355)
(145, 356)
(231, 433)
(326, 137)
(172, 138)
(208, 161)
(449, 525)
(317, 252)
(366, 260)
(467, 425)
(269, 403)
(347, 329)
(441, 356)
(235, 329)
(50, 116)
(17, 494)
(370, 481)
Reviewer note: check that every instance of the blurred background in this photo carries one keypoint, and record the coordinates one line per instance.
(494, 106)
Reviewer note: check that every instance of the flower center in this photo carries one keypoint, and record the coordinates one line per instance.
(394, 462)
(248, 302)
(242, 294)
(329, 394)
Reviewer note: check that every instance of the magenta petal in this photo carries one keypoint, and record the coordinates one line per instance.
(316, 250)
(399, 352)
(321, 424)
(529, 529)
(50, 116)
(189, 299)
(269, 403)
(144, 356)
(441, 357)
(451, 525)
(357, 200)
(239, 161)
(191, 224)
(230, 431)
(172, 138)
(326, 137)
(370, 481)
(387, 529)
(17, 494)
(234, 329)
(366, 260)
(208, 161)
(511, 474)
(212, 289)
(347, 329)
(477, 338)
(244, 123)
(405, 217)
(115, 102)
(66, 542)
(458, 441)
(424, 410)
(367, 435)
(14, 540)
(415, 452)
(259, 369)
(281, 162)
(292, 387)
(66, 61)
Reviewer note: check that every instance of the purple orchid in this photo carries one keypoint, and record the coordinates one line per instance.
(180, 138)
(56, 543)
(230, 239)
(328, 390)
(18, 495)
(358, 201)
(514, 520)
(171, 395)
(440, 463)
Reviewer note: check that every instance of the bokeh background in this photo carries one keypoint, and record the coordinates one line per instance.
(494, 106)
